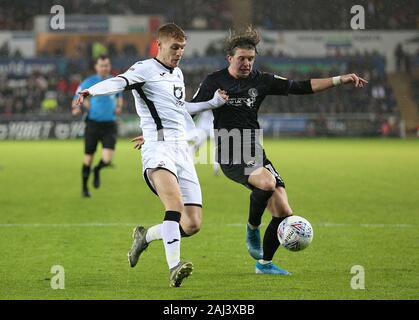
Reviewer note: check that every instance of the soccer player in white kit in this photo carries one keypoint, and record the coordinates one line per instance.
(159, 92)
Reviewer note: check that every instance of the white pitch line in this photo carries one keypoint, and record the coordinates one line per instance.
(233, 225)
(345, 225)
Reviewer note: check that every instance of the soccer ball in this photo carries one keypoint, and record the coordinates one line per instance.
(295, 233)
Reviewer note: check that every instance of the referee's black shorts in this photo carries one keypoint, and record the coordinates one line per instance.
(240, 172)
(104, 132)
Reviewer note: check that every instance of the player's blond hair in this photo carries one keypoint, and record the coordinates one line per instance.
(171, 30)
(247, 39)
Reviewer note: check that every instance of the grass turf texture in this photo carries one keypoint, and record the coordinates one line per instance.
(362, 197)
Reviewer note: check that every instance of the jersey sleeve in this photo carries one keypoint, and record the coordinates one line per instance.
(205, 91)
(136, 74)
(277, 85)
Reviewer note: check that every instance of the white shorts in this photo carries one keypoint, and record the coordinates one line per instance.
(175, 157)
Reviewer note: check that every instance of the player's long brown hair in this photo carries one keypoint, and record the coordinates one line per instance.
(246, 39)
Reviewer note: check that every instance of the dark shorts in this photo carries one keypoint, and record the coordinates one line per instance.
(104, 132)
(240, 172)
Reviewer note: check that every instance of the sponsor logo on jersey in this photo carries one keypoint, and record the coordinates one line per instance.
(178, 92)
(237, 102)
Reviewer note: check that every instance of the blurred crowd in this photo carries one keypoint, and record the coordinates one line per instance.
(52, 92)
(217, 14)
(190, 14)
(377, 98)
(334, 15)
(37, 94)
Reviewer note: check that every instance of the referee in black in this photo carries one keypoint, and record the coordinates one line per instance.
(237, 120)
(100, 124)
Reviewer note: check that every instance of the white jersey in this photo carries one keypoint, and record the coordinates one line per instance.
(159, 93)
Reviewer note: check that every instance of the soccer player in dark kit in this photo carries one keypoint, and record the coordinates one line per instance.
(247, 88)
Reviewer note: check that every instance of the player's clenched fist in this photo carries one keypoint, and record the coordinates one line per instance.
(223, 94)
(219, 99)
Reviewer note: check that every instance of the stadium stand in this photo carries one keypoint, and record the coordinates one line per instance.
(193, 14)
(322, 14)
(28, 95)
(50, 91)
(18, 15)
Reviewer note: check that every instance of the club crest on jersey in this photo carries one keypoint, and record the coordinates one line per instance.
(253, 92)
(178, 92)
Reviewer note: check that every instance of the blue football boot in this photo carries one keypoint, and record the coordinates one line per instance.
(253, 243)
(270, 268)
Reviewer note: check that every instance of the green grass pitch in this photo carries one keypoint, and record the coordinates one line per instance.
(362, 197)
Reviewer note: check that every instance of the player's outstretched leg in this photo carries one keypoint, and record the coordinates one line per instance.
(270, 245)
(258, 202)
(144, 236)
(180, 272)
(253, 242)
(138, 246)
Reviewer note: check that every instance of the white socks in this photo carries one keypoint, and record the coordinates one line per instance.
(169, 232)
(153, 233)
(171, 237)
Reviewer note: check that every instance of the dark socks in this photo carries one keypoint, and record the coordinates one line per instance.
(85, 172)
(102, 164)
(258, 202)
(270, 239)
